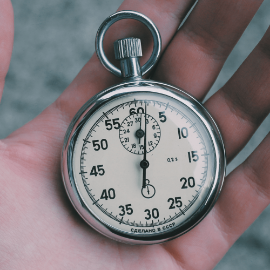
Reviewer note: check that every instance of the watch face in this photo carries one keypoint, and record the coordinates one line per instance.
(145, 164)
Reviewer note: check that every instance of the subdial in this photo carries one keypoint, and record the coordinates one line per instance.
(132, 132)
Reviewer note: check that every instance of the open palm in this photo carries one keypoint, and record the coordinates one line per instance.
(39, 228)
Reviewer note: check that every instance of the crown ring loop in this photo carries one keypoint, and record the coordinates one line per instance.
(127, 14)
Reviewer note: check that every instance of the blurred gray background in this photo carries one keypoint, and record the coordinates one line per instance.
(55, 38)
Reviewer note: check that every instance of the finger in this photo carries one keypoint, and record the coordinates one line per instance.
(238, 108)
(245, 195)
(243, 103)
(93, 78)
(6, 39)
(197, 53)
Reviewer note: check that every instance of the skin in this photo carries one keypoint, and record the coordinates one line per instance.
(44, 232)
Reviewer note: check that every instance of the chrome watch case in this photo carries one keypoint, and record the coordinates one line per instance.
(135, 83)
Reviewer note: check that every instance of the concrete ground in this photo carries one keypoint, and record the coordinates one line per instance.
(55, 38)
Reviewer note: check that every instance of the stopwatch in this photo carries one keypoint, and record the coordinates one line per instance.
(143, 162)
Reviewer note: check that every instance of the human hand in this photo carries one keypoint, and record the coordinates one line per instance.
(38, 227)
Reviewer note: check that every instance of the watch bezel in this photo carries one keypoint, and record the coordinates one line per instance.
(93, 105)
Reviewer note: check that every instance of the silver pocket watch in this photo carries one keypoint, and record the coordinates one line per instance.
(143, 162)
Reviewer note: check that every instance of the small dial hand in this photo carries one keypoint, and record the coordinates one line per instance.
(140, 132)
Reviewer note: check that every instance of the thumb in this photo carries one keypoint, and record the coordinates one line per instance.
(6, 39)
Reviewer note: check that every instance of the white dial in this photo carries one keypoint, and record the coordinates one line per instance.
(148, 181)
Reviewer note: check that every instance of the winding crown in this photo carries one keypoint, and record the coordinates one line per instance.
(127, 47)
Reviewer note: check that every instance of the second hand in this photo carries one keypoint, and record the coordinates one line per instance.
(144, 163)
